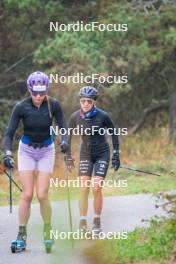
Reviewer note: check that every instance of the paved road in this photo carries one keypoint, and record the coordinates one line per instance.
(122, 213)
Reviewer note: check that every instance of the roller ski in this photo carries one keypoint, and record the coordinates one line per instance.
(96, 229)
(48, 242)
(19, 244)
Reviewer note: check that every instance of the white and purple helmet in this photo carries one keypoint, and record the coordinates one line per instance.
(38, 82)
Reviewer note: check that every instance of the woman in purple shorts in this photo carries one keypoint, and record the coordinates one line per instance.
(36, 152)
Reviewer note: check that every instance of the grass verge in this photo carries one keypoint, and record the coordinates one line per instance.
(156, 244)
(150, 151)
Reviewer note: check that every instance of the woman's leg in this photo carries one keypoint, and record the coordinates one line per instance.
(84, 192)
(98, 203)
(27, 182)
(100, 170)
(45, 167)
(85, 172)
(42, 188)
(97, 193)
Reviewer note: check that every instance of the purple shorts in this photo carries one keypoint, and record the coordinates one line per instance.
(36, 159)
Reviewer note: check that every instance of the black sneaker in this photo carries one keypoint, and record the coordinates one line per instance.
(96, 228)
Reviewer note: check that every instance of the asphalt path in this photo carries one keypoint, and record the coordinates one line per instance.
(123, 213)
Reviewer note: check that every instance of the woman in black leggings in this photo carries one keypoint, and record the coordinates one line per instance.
(94, 153)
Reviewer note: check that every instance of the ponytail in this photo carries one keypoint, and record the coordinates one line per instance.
(49, 106)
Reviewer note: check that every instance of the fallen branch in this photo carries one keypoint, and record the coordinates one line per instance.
(147, 111)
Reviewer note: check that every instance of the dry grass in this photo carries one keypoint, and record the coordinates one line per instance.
(146, 150)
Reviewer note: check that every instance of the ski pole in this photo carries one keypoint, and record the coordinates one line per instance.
(16, 184)
(69, 204)
(146, 172)
(10, 189)
(2, 170)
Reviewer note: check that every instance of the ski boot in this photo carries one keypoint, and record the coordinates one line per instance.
(48, 245)
(96, 229)
(19, 244)
(48, 242)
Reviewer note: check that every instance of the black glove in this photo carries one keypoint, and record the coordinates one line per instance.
(64, 146)
(115, 160)
(8, 161)
(69, 163)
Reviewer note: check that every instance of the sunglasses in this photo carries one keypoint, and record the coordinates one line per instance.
(89, 101)
(38, 93)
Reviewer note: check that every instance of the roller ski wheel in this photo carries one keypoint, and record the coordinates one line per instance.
(48, 245)
(18, 245)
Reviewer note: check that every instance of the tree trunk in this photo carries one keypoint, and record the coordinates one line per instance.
(172, 108)
(172, 114)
